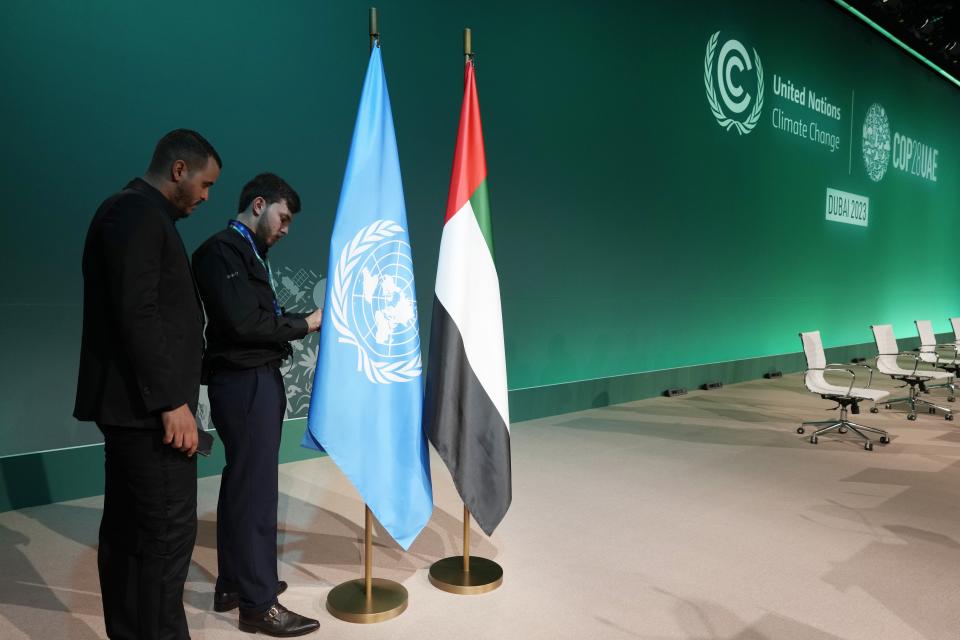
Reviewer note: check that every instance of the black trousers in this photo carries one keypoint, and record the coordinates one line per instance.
(247, 407)
(147, 534)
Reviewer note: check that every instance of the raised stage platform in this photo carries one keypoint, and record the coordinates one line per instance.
(698, 517)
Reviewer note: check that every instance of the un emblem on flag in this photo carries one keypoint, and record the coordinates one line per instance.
(374, 307)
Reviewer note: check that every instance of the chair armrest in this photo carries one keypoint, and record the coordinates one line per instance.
(905, 354)
(930, 348)
(855, 364)
(868, 368)
(844, 365)
(838, 366)
(918, 361)
(933, 350)
(841, 367)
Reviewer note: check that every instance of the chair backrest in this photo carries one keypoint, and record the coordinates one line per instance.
(928, 340)
(955, 323)
(813, 349)
(925, 330)
(886, 347)
(816, 359)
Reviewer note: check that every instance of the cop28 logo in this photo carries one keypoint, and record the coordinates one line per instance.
(876, 142)
(734, 98)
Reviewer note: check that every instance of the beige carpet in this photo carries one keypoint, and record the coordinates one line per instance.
(701, 517)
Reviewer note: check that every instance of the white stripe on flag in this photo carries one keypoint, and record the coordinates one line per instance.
(468, 289)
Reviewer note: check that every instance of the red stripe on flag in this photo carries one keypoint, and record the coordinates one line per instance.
(469, 161)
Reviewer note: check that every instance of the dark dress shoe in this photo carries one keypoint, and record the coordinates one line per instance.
(278, 621)
(230, 600)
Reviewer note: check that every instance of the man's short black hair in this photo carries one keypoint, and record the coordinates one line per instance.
(182, 144)
(271, 188)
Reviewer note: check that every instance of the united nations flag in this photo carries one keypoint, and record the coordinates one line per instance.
(365, 407)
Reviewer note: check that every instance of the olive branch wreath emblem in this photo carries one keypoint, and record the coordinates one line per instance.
(377, 371)
(726, 122)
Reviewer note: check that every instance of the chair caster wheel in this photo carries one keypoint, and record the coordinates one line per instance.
(884, 440)
(800, 430)
(813, 439)
(842, 430)
(951, 399)
(911, 416)
(948, 417)
(874, 410)
(887, 406)
(868, 446)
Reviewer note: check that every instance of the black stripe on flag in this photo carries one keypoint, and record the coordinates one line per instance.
(465, 427)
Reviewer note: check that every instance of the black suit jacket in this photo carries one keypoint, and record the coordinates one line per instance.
(142, 319)
(243, 329)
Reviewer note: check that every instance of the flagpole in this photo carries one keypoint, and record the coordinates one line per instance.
(367, 553)
(374, 28)
(464, 575)
(368, 600)
(466, 539)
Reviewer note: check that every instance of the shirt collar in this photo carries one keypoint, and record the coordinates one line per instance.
(141, 185)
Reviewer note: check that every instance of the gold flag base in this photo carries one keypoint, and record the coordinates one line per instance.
(349, 601)
(370, 599)
(448, 575)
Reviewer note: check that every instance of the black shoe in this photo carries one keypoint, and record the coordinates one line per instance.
(230, 600)
(278, 621)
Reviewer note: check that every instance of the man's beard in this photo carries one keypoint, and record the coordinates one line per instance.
(182, 199)
(263, 230)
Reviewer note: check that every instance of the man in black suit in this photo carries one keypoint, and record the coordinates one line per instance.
(139, 380)
(248, 335)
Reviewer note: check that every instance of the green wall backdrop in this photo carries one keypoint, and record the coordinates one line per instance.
(633, 232)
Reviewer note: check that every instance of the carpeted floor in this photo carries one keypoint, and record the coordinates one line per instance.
(699, 517)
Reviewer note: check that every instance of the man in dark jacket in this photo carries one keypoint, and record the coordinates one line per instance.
(248, 336)
(139, 380)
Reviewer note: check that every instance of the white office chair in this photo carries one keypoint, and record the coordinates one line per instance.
(888, 362)
(845, 396)
(941, 356)
(955, 324)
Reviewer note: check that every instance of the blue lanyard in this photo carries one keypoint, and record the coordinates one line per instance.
(243, 231)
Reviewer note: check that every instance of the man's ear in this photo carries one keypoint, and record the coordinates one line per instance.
(258, 206)
(178, 170)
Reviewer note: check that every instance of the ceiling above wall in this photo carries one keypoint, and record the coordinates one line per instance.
(931, 28)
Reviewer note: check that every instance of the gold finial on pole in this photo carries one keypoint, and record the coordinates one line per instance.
(468, 44)
(374, 28)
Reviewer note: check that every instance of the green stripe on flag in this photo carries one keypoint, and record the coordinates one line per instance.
(480, 203)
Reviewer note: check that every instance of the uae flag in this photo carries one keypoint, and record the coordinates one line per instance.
(465, 408)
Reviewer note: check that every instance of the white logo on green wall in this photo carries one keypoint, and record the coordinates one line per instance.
(876, 142)
(731, 109)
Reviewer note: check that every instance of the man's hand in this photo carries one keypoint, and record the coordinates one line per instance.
(180, 429)
(315, 319)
